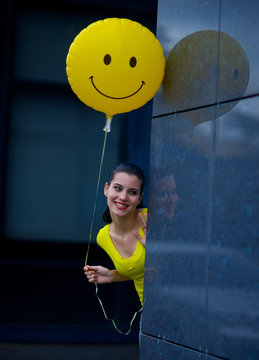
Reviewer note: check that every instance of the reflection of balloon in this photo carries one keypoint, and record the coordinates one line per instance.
(196, 75)
(115, 65)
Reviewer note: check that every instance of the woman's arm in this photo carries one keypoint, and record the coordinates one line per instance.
(102, 275)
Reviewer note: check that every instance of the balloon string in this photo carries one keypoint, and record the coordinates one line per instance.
(96, 194)
(108, 122)
(113, 322)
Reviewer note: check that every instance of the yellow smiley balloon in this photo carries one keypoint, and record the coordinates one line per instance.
(115, 65)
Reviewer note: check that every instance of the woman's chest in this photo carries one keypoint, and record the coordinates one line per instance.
(125, 245)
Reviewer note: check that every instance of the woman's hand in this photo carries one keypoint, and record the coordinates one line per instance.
(143, 223)
(101, 275)
(98, 274)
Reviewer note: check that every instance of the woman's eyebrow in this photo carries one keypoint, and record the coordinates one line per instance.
(117, 184)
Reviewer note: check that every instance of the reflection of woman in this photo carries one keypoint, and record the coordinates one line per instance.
(124, 236)
(165, 196)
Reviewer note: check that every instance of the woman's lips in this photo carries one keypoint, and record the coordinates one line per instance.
(120, 206)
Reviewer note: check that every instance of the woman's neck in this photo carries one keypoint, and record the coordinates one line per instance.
(122, 225)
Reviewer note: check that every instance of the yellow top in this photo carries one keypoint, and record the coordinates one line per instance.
(132, 267)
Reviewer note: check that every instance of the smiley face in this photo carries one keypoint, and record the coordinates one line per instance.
(115, 65)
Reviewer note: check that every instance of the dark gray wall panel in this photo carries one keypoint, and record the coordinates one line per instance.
(202, 278)
(239, 19)
(176, 20)
(176, 273)
(157, 349)
(233, 290)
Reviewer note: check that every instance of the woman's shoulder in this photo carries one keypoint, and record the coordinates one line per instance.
(103, 234)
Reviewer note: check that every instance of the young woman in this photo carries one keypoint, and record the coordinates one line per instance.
(124, 236)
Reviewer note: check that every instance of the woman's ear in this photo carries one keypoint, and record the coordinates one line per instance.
(106, 188)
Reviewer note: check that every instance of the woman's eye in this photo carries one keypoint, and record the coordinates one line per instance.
(117, 188)
(164, 194)
(133, 192)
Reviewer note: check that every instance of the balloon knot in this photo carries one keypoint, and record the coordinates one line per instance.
(107, 127)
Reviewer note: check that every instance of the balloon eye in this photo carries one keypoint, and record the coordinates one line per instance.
(133, 61)
(236, 74)
(107, 59)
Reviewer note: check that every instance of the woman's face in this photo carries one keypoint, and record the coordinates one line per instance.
(123, 194)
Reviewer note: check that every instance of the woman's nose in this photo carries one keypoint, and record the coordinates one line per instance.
(123, 195)
(175, 198)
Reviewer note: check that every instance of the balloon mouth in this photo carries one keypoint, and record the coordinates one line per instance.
(116, 98)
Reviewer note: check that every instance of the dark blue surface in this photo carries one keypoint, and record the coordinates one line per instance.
(175, 291)
(152, 348)
(202, 275)
(233, 290)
